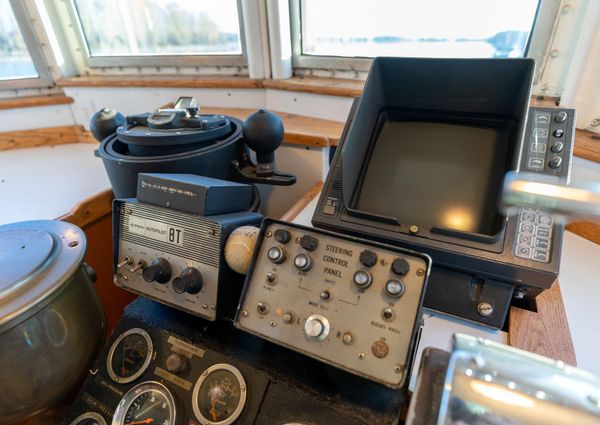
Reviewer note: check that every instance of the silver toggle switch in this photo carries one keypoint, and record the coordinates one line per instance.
(126, 262)
(316, 327)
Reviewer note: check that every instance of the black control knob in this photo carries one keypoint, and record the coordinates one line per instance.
(105, 122)
(190, 281)
(557, 147)
(400, 266)
(558, 132)
(561, 117)
(368, 258)
(159, 271)
(309, 243)
(282, 236)
(555, 162)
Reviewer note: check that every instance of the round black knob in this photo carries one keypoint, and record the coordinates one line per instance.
(557, 147)
(105, 122)
(263, 132)
(282, 236)
(159, 271)
(368, 258)
(560, 117)
(555, 162)
(558, 132)
(190, 281)
(400, 266)
(309, 243)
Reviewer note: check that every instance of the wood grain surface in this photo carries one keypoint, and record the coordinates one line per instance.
(41, 137)
(587, 145)
(315, 85)
(589, 230)
(33, 101)
(545, 332)
(162, 81)
(297, 208)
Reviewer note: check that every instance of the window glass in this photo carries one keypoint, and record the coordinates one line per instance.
(423, 28)
(15, 61)
(160, 27)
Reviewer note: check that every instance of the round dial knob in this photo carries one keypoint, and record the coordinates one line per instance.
(394, 288)
(316, 327)
(159, 271)
(303, 262)
(362, 279)
(309, 243)
(276, 254)
(282, 236)
(176, 363)
(400, 266)
(368, 258)
(190, 281)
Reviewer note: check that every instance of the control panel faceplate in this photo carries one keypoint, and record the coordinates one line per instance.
(174, 257)
(350, 303)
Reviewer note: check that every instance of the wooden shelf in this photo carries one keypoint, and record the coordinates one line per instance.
(34, 101)
(326, 86)
(162, 81)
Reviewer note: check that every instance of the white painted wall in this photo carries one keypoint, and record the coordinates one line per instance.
(42, 116)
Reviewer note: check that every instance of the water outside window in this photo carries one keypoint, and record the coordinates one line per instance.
(417, 28)
(160, 27)
(15, 61)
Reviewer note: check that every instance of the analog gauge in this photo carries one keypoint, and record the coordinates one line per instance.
(219, 395)
(129, 356)
(89, 418)
(149, 403)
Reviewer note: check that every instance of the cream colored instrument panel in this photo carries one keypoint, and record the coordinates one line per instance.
(345, 301)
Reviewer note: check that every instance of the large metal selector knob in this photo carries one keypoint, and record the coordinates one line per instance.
(317, 327)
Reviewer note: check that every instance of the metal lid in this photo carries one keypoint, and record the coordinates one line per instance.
(36, 259)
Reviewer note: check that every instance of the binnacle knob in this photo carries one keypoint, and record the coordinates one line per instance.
(316, 327)
(176, 363)
(190, 281)
(159, 271)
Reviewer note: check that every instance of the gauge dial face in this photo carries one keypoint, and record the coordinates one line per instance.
(89, 418)
(129, 355)
(149, 403)
(219, 395)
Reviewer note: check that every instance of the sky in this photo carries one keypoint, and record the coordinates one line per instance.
(416, 18)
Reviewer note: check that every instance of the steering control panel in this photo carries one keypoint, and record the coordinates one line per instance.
(348, 302)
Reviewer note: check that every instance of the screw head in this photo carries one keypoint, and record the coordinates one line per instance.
(485, 309)
(413, 229)
(244, 313)
(420, 272)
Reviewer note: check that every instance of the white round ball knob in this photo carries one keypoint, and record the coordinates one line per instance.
(240, 247)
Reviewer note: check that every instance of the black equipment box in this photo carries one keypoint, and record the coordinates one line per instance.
(247, 380)
(421, 164)
(194, 194)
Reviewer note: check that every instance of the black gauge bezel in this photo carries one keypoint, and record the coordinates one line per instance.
(133, 394)
(150, 352)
